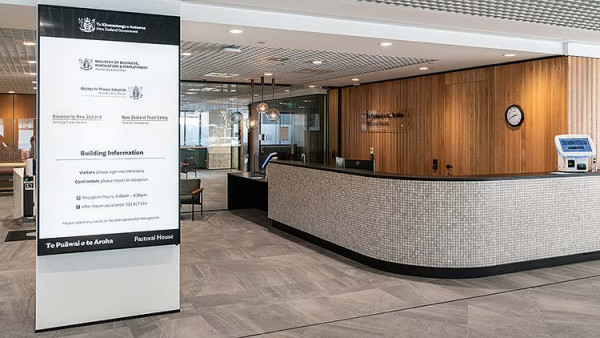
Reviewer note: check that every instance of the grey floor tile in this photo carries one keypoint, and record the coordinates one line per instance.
(241, 277)
(514, 314)
(346, 305)
(121, 332)
(185, 326)
(447, 320)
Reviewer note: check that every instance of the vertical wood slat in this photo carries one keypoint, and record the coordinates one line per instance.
(584, 100)
(458, 118)
(332, 113)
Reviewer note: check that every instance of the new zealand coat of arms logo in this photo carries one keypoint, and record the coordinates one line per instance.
(86, 64)
(135, 92)
(87, 25)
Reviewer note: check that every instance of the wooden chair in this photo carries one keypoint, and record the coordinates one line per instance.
(190, 192)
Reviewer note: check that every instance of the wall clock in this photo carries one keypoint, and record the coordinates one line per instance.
(514, 115)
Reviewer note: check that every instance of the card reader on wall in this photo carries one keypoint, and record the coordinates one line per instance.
(574, 152)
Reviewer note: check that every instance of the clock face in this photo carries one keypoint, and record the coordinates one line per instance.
(514, 116)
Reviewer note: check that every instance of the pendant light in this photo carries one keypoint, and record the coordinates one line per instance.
(252, 122)
(236, 116)
(262, 107)
(273, 113)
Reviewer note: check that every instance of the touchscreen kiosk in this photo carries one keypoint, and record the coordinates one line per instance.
(574, 152)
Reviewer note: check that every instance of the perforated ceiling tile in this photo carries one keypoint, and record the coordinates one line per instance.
(583, 14)
(15, 71)
(288, 66)
(196, 95)
(209, 62)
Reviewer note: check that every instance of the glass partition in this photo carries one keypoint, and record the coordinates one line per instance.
(300, 129)
(211, 133)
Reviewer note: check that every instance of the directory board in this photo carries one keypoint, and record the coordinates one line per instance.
(108, 121)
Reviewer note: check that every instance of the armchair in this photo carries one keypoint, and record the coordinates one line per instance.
(190, 192)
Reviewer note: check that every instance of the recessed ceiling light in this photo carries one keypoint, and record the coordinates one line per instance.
(31, 61)
(29, 43)
(233, 99)
(236, 31)
(317, 62)
(255, 95)
(34, 82)
(11, 91)
(385, 44)
(301, 107)
(35, 88)
(33, 74)
(356, 79)
(311, 86)
(194, 89)
(287, 90)
(510, 54)
(190, 93)
(186, 54)
(423, 68)
(268, 74)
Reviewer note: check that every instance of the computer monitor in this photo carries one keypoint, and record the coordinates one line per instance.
(360, 164)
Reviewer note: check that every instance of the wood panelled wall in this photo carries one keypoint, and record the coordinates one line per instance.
(584, 97)
(12, 108)
(332, 115)
(458, 118)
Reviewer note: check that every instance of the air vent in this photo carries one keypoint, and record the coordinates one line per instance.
(316, 71)
(221, 75)
(231, 49)
(278, 59)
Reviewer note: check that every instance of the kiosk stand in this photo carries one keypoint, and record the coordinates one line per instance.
(574, 152)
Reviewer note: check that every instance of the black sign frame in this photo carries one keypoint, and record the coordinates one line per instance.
(61, 22)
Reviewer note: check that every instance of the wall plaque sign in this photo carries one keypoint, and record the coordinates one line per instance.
(374, 121)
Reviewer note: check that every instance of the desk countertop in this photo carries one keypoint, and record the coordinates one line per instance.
(497, 177)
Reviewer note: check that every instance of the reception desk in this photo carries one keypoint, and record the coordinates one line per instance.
(453, 227)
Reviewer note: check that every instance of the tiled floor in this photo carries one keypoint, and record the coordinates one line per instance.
(215, 187)
(240, 278)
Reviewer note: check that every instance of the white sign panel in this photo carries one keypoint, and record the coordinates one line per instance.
(108, 131)
(108, 161)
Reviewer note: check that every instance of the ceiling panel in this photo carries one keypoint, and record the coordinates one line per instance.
(582, 14)
(15, 72)
(288, 66)
(194, 95)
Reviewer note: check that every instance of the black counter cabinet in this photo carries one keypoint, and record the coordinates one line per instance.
(246, 190)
